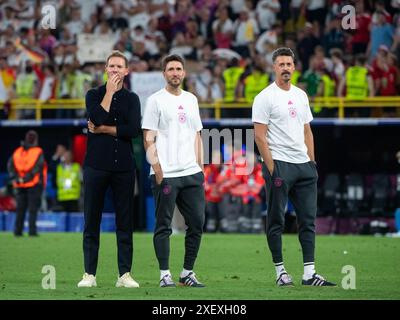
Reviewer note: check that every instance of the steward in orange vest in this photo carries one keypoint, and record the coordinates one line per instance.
(28, 171)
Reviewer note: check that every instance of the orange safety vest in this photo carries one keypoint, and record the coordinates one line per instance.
(24, 161)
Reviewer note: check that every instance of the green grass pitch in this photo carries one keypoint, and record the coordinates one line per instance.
(232, 266)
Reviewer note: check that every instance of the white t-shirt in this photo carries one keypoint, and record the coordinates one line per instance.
(177, 121)
(267, 17)
(285, 113)
(315, 4)
(227, 26)
(246, 31)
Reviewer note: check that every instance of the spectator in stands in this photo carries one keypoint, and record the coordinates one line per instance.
(253, 83)
(204, 21)
(384, 73)
(338, 68)
(358, 83)
(246, 31)
(137, 13)
(307, 41)
(25, 13)
(48, 82)
(28, 170)
(184, 10)
(117, 21)
(222, 29)
(326, 88)
(7, 78)
(69, 177)
(205, 85)
(266, 12)
(180, 46)
(231, 78)
(361, 35)
(76, 24)
(297, 15)
(47, 41)
(316, 11)
(152, 29)
(334, 36)
(312, 77)
(380, 8)
(381, 34)
(25, 88)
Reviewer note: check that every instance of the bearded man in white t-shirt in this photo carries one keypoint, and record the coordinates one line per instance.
(281, 115)
(171, 127)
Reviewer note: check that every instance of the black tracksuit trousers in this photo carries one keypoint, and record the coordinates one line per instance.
(298, 183)
(187, 193)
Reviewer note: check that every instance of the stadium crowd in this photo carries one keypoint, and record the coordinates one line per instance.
(228, 46)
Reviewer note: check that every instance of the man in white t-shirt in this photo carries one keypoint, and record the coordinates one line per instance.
(171, 127)
(281, 116)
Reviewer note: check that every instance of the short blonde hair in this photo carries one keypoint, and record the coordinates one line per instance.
(119, 54)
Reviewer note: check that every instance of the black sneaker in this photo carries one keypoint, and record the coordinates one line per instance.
(284, 280)
(190, 281)
(318, 281)
(167, 281)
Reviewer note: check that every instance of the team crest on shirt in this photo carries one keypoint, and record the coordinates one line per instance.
(182, 117)
(292, 112)
(181, 114)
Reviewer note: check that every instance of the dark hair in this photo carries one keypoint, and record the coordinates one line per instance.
(361, 58)
(283, 52)
(119, 54)
(172, 57)
(31, 138)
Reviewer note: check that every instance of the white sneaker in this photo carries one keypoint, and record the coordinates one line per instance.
(88, 281)
(126, 281)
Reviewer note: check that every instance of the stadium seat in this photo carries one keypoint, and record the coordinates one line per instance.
(331, 195)
(354, 194)
(3, 179)
(353, 197)
(380, 195)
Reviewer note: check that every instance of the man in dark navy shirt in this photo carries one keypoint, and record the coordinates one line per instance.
(113, 120)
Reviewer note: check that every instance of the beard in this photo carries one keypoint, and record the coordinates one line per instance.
(175, 82)
(286, 77)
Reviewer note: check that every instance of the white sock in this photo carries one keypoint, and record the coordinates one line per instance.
(185, 272)
(163, 273)
(309, 270)
(279, 268)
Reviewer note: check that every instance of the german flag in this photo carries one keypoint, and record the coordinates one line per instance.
(32, 55)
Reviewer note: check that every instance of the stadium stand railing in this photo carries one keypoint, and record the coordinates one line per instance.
(339, 103)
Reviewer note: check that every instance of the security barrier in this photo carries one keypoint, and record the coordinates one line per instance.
(57, 222)
(339, 103)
